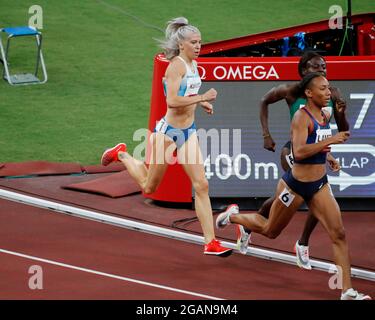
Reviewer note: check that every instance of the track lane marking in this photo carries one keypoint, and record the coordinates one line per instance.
(108, 275)
(169, 233)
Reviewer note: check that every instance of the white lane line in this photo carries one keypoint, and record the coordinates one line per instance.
(108, 275)
(169, 233)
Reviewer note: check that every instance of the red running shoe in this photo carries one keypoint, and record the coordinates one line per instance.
(215, 248)
(110, 155)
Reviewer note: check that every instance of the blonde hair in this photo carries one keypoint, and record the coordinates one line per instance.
(177, 30)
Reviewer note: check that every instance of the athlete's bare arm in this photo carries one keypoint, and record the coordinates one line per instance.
(275, 94)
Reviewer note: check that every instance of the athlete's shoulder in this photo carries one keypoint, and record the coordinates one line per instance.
(285, 87)
(176, 62)
(292, 94)
(277, 93)
(300, 115)
(176, 66)
(293, 91)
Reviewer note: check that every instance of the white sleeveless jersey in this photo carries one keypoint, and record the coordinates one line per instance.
(190, 83)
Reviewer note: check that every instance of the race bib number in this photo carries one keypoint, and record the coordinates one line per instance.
(192, 86)
(286, 197)
(162, 126)
(290, 160)
(322, 134)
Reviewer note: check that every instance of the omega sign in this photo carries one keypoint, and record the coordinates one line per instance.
(238, 72)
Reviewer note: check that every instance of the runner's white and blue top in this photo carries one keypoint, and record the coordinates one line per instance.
(190, 83)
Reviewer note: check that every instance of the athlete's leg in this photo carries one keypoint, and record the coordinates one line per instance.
(190, 157)
(149, 178)
(281, 213)
(326, 209)
(311, 222)
(310, 225)
(265, 209)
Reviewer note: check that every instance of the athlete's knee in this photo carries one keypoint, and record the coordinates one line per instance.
(201, 186)
(338, 234)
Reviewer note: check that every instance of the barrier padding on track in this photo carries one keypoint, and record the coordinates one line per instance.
(113, 167)
(116, 185)
(14, 169)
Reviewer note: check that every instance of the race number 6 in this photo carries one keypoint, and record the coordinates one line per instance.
(286, 197)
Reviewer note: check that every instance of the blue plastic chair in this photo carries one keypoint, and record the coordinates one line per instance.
(25, 78)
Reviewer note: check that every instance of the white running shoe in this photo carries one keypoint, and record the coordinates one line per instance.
(352, 294)
(243, 239)
(302, 254)
(223, 219)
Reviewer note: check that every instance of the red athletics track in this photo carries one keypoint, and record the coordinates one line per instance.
(117, 251)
